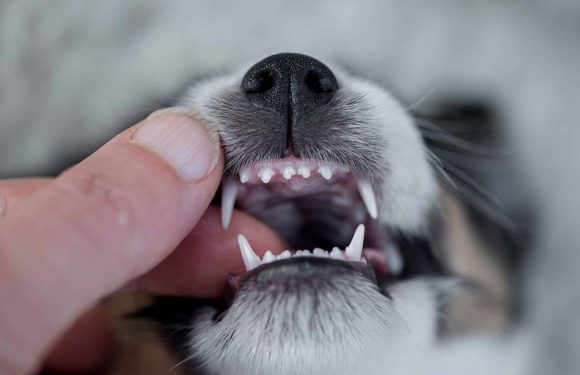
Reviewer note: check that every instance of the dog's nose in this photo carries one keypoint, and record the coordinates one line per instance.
(289, 84)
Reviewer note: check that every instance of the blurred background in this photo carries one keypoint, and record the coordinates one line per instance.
(74, 73)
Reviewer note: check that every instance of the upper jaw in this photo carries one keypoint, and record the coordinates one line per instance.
(295, 176)
(322, 191)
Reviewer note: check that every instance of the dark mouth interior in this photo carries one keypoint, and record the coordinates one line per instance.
(323, 214)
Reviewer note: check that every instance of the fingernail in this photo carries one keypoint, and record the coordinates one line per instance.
(188, 145)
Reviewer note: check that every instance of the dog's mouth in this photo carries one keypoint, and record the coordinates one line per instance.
(322, 210)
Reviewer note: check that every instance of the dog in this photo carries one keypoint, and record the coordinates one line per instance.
(383, 266)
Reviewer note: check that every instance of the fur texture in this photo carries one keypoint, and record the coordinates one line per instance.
(76, 72)
(310, 320)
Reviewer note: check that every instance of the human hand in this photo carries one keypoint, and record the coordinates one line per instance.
(135, 213)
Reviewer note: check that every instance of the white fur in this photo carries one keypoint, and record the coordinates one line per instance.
(270, 335)
(73, 75)
(410, 191)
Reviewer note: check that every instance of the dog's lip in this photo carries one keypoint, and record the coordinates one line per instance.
(362, 267)
(292, 266)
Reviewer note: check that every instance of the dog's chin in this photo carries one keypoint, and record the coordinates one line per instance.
(315, 316)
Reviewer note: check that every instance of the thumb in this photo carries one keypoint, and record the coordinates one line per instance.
(100, 224)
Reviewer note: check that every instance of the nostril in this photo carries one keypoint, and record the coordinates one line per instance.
(320, 83)
(259, 82)
(289, 85)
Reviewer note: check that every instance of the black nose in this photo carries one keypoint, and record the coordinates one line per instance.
(290, 84)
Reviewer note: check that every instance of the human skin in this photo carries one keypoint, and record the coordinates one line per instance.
(134, 215)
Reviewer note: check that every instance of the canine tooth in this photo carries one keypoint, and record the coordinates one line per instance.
(336, 253)
(304, 171)
(367, 194)
(319, 253)
(395, 260)
(268, 257)
(251, 260)
(244, 176)
(266, 174)
(288, 172)
(325, 172)
(354, 250)
(229, 192)
(285, 254)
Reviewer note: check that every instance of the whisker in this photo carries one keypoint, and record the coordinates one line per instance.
(180, 363)
(494, 213)
(453, 156)
(464, 160)
(423, 98)
(442, 135)
(450, 140)
(474, 184)
(438, 164)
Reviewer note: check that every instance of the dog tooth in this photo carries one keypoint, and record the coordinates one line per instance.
(251, 260)
(354, 250)
(367, 194)
(268, 257)
(244, 176)
(326, 172)
(285, 254)
(266, 174)
(304, 171)
(336, 253)
(229, 192)
(395, 259)
(288, 172)
(317, 252)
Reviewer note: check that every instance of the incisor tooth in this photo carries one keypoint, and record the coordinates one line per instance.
(354, 250)
(244, 176)
(266, 174)
(229, 192)
(268, 257)
(251, 260)
(304, 171)
(367, 194)
(319, 253)
(288, 172)
(336, 253)
(285, 254)
(325, 172)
